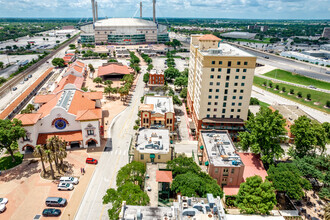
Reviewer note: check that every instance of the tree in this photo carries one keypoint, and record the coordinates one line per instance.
(299, 94)
(72, 46)
(49, 159)
(286, 177)
(68, 35)
(283, 89)
(58, 62)
(171, 73)
(91, 68)
(176, 100)
(291, 91)
(327, 104)
(110, 90)
(265, 131)
(131, 173)
(277, 87)
(10, 132)
(254, 101)
(57, 149)
(30, 108)
(255, 196)
(129, 78)
(326, 126)
(128, 192)
(1, 65)
(146, 78)
(150, 67)
(182, 164)
(308, 135)
(39, 152)
(108, 82)
(112, 61)
(308, 96)
(183, 93)
(98, 80)
(181, 81)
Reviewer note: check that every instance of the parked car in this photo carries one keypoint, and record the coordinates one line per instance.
(15, 88)
(65, 186)
(3, 201)
(56, 202)
(91, 161)
(26, 79)
(69, 179)
(51, 212)
(30, 76)
(2, 208)
(312, 87)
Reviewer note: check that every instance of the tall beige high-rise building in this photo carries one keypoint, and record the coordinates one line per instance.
(219, 84)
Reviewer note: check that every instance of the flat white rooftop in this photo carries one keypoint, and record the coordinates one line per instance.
(225, 49)
(153, 141)
(220, 149)
(154, 71)
(162, 104)
(121, 22)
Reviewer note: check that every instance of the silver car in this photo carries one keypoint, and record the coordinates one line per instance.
(65, 186)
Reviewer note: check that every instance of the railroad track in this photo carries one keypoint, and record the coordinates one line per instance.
(16, 79)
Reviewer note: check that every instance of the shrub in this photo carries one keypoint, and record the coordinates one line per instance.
(283, 89)
(265, 83)
(328, 104)
(136, 127)
(309, 96)
(271, 85)
(299, 94)
(292, 91)
(277, 87)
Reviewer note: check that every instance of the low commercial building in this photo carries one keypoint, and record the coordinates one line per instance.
(71, 114)
(157, 112)
(156, 79)
(77, 68)
(153, 146)
(68, 58)
(224, 164)
(114, 70)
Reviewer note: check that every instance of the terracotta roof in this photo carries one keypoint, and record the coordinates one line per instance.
(28, 119)
(17, 101)
(93, 114)
(253, 165)
(164, 176)
(114, 68)
(67, 58)
(79, 63)
(80, 101)
(67, 136)
(93, 95)
(146, 107)
(209, 37)
(70, 54)
(77, 81)
(230, 190)
(41, 99)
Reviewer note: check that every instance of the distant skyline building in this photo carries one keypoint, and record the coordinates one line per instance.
(219, 84)
(326, 32)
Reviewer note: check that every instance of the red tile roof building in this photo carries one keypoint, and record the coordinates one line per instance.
(114, 70)
(72, 114)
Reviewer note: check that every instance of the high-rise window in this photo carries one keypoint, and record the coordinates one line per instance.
(229, 63)
(212, 69)
(234, 97)
(238, 63)
(236, 77)
(219, 76)
(226, 91)
(235, 90)
(228, 70)
(215, 103)
(241, 91)
(241, 97)
(243, 77)
(210, 90)
(232, 110)
(218, 83)
(209, 103)
(245, 63)
(213, 62)
(211, 76)
(239, 104)
(210, 97)
(242, 84)
(244, 70)
(238, 110)
(211, 83)
(227, 84)
(208, 109)
(224, 104)
(220, 62)
(223, 110)
(237, 70)
(219, 69)
(227, 78)
(216, 97)
(215, 109)
(217, 90)
(235, 84)
(225, 98)
(233, 103)
(207, 116)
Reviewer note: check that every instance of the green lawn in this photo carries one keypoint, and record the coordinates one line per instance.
(298, 79)
(264, 41)
(263, 104)
(6, 161)
(316, 96)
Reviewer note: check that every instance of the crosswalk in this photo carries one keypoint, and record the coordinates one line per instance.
(117, 152)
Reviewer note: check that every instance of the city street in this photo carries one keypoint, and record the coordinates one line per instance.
(114, 157)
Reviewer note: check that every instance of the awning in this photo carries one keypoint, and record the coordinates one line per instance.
(152, 155)
(201, 147)
(68, 136)
(206, 163)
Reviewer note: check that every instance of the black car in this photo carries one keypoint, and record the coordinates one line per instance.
(51, 212)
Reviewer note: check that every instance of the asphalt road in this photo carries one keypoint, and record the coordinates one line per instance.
(111, 161)
(291, 65)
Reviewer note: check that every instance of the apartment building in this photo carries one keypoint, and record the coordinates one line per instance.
(219, 84)
(157, 112)
(156, 79)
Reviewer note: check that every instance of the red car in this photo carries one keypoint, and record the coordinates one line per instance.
(91, 161)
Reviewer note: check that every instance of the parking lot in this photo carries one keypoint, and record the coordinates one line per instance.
(159, 63)
(27, 191)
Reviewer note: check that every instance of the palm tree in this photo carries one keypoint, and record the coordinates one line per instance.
(49, 159)
(30, 108)
(51, 145)
(39, 152)
(61, 155)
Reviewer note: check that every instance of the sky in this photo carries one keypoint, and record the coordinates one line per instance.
(249, 9)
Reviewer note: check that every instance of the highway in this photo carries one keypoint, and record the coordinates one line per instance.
(312, 71)
(116, 156)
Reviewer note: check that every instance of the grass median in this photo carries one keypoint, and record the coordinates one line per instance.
(296, 78)
(6, 162)
(316, 96)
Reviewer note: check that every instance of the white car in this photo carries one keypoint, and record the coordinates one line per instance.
(3, 201)
(65, 186)
(2, 208)
(69, 179)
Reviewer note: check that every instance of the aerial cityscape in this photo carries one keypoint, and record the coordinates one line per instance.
(165, 110)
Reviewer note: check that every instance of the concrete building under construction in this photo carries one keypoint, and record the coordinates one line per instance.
(123, 30)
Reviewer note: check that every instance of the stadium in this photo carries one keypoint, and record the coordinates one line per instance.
(117, 31)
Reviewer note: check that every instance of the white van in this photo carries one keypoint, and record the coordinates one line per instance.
(69, 179)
